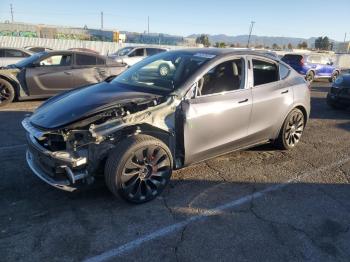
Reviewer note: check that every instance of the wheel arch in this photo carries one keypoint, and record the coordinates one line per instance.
(141, 129)
(298, 106)
(13, 82)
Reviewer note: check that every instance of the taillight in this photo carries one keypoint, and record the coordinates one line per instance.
(302, 62)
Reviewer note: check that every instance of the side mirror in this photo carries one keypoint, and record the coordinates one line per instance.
(330, 63)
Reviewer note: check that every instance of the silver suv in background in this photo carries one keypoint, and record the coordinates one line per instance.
(132, 54)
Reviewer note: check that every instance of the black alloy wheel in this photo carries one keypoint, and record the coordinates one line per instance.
(7, 93)
(291, 130)
(140, 169)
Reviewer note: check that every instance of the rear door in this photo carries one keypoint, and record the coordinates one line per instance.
(51, 75)
(216, 120)
(271, 99)
(88, 69)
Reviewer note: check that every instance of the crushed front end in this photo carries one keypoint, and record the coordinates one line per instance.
(53, 161)
(72, 156)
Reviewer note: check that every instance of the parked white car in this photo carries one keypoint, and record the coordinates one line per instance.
(132, 54)
(10, 55)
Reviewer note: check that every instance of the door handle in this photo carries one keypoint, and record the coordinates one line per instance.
(67, 73)
(243, 101)
(285, 92)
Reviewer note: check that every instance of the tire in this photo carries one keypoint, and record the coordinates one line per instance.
(310, 76)
(334, 77)
(139, 169)
(163, 70)
(7, 92)
(291, 131)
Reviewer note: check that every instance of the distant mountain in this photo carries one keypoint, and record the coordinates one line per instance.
(258, 40)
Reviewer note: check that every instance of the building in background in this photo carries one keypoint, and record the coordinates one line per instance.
(342, 47)
(60, 32)
(73, 33)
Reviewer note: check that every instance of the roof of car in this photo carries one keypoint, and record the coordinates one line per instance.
(227, 51)
(15, 48)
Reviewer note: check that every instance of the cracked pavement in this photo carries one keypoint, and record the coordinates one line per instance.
(308, 220)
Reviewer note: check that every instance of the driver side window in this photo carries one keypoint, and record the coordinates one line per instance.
(57, 60)
(227, 76)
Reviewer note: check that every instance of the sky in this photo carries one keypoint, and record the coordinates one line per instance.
(289, 18)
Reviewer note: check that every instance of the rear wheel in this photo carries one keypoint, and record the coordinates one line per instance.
(334, 76)
(7, 92)
(139, 169)
(164, 70)
(291, 130)
(310, 76)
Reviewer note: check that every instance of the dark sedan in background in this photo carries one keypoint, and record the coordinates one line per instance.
(339, 94)
(48, 73)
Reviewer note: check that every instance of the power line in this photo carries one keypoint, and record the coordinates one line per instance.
(11, 8)
(250, 32)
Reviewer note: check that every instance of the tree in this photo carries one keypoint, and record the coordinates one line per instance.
(220, 44)
(322, 43)
(203, 39)
(290, 46)
(275, 46)
(302, 45)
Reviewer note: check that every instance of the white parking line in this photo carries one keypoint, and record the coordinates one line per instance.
(11, 147)
(129, 246)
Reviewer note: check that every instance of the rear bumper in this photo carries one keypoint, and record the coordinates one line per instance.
(58, 169)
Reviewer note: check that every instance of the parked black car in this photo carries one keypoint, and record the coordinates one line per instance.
(339, 95)
(48, 73)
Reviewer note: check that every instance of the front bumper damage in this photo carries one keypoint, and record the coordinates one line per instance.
(59, 169)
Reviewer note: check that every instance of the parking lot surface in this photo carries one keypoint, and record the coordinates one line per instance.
(260, 204)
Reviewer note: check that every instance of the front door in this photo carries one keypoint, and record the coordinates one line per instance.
(217, 118)
(50, 76)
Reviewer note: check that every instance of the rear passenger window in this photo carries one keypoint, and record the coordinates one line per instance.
(153, 51)
(100, 61)
(264, 72)
(224, 77)
(284, 71)
(85, 59)
(138, 52)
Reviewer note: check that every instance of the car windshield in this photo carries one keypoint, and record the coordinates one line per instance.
(29, 60)
(124, 51)
(164, 72)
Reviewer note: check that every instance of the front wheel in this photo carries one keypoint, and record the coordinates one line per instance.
(291, 130)
(139, 168)
(7, 92)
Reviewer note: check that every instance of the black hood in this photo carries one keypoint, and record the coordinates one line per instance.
(74, 105)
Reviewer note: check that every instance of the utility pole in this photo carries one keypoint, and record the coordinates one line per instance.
(345, 37)
(11, 8)
(148, 24)
(101, 20)
(250, 32)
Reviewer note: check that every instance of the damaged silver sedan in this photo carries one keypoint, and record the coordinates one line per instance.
(137, 128)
